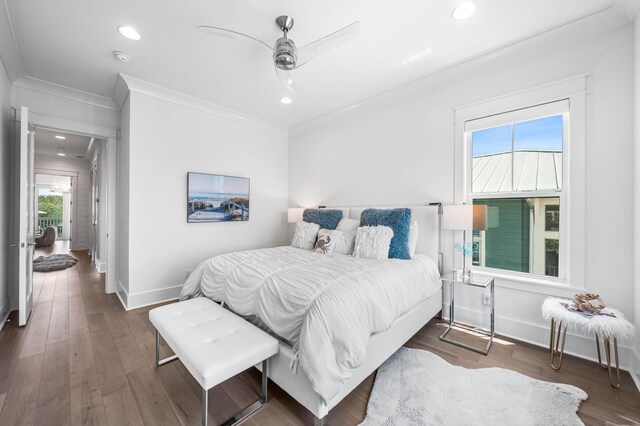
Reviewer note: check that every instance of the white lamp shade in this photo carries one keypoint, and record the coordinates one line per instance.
(464, 217)
(458, 217)
(295, 214)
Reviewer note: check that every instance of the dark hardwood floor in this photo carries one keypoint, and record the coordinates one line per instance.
(82, 359)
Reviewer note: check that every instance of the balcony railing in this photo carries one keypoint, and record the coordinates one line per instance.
(45, 222)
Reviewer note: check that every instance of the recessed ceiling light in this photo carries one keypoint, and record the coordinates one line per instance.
(463, 10)
(60, 137)
(61, 152)
(286, 100)
(121, 56)
(129, 33)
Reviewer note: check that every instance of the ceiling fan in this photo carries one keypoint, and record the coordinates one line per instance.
(286, 55)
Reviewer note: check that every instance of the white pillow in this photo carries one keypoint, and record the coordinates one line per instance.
(349, 227)
(344, 241)
(413, 238)
(372, 242)
(305, 235)
(347, 224)
(326, 242)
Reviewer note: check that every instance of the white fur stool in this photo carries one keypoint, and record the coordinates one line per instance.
(214, 344)
(610, 324)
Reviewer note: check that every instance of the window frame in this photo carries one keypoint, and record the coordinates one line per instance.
(573, 219)
(561, 107)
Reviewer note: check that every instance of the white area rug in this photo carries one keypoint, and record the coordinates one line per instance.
(416, 387)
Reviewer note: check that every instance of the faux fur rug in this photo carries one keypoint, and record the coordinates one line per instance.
(55, 262)
(416, 387)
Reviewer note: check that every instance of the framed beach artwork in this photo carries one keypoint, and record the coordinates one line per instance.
(217, 198)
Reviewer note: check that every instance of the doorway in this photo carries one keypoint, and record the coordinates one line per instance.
(53, 206)
(62, 151)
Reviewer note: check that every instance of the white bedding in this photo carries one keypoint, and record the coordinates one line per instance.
(328, 306)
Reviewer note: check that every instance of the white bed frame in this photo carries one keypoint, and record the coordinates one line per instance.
(381, 345)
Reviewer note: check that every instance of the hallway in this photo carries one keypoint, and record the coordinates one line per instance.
(59, 247)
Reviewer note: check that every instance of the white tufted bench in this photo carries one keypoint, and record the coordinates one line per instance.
(214, 344)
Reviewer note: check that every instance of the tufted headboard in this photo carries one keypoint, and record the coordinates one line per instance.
(429, 226)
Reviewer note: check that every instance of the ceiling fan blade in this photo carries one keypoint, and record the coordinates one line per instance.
(327, 43)
(223, 32)
(285, 80)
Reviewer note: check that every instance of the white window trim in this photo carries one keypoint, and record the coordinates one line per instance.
(560, 107)
(574, 176)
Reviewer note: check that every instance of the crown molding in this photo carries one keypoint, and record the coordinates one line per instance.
(126, 84)
(628, 7)
(46, 87)
(588, 26)
(9, 53)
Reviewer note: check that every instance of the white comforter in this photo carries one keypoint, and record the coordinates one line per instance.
(328, 306)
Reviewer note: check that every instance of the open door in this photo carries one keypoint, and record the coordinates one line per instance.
(25, 177)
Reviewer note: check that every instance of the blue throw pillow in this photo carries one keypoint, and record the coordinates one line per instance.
(326, 218)
(397, 219)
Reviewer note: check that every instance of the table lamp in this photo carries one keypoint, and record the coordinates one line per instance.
(294, 214)
(465, 217)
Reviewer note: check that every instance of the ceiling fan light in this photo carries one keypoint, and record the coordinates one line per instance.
(284, 54)
(463, 11)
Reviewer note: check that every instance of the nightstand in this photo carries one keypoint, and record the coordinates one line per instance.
(454, 279)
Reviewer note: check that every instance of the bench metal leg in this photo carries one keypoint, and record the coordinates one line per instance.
(598, 349)
(320, 422)
(247, 411)
(159, 361)
(607, 352)
(205, 407)
(558, 348)
(265, 381)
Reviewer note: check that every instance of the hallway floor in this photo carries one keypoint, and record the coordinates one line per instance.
(59, 247)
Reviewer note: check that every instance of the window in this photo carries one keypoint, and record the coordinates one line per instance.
(516, 169)
(552, 217)
(551, 250)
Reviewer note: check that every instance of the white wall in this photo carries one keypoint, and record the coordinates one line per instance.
(50, 100)
(398, 148)
(81, 227)
(5, 93)
(102, 164)
(167, 140)
(122, 206)
(636, 197)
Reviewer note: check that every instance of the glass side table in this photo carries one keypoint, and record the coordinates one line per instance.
(456, 278)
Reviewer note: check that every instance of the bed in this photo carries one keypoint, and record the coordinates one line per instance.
(338, 318)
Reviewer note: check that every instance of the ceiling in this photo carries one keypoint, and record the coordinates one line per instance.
(74, 146)
(42, 179)
(71, 42)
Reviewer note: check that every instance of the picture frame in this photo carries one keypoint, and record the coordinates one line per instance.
(217, 198)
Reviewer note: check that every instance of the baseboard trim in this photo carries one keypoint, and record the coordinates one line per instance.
(132, 301)
(122, 294)
(577, 345)
(636, 368)
(4, 313)
(101, 267)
